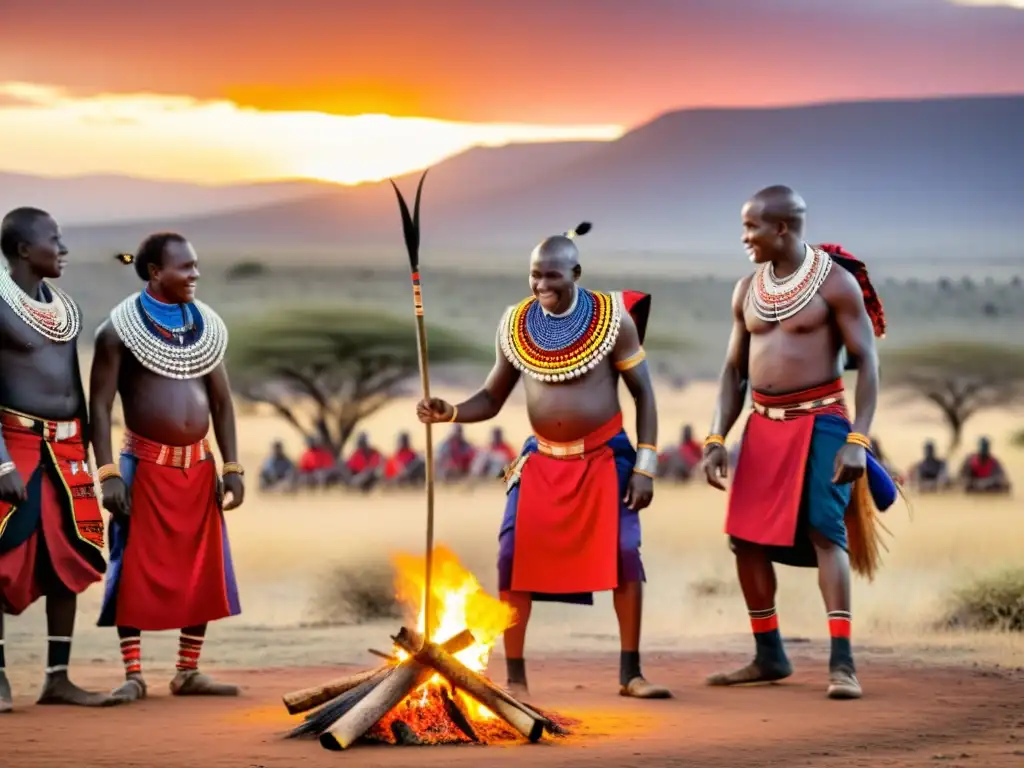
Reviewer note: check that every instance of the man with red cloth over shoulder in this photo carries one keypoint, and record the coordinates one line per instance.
(801, 493)
(572, 522)
(170, 563)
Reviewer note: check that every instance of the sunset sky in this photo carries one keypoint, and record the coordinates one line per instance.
(220, 91)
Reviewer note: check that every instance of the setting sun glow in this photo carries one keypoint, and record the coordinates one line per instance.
(49, 131)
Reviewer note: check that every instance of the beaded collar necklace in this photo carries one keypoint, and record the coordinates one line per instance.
(558, 348)
(776, 299)
(188, 355)
(56, 317)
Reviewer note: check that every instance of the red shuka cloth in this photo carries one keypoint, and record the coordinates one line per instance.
(173, 574)
(75, 495)
(567, 519)
(764, 503)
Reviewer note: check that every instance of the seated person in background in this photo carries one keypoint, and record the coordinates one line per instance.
(317, 465)
(678, 463)
(982, 472)
(930, 474)
(364, 467)
(876, 451)
(490, 462)
(455, 457)
(277, 470)
(405, 467)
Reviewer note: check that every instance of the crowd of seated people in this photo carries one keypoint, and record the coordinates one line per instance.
(366, 467)
(458, 461)
(980, 472)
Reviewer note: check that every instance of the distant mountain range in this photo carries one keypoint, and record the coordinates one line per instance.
(911, 179)
(108, 198)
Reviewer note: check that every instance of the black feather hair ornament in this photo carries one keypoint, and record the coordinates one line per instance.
(581, 229)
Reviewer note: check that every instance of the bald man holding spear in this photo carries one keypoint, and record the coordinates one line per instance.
(572, 516)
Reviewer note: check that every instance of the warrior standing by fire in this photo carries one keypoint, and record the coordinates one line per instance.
(801, 494)
(51, 528)
(572, 524)
(170, 564)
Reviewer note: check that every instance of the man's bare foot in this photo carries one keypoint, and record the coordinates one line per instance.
(132, 689)
(194, 683)
(754, 672)
(6, 700)
(639, 688)
(843, 684)
(58, 689)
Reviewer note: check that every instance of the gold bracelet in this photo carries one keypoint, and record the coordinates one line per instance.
(455, 414)
(648, 446)
(107, 471)
(714, 440)
(232, 468)
(643, 472)
(856, 438)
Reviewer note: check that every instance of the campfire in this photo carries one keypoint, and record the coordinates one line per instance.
(427, 692)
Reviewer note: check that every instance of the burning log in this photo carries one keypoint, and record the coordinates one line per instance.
(352, 718)
(384, 697)
(322, 719)
(410, 641)
(458, 716)
(297, 702)
(459, 675)
(404, 735)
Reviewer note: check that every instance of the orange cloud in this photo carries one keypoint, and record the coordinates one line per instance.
(537, 61)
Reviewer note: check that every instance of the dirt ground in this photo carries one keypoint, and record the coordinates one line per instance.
(911, 715)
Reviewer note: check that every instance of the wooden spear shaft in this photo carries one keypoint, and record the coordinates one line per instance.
(411, 230)
(421, 337)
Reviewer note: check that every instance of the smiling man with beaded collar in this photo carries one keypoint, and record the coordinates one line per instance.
(170, 563)
(806, 488)
(51, 528)
(571, 524)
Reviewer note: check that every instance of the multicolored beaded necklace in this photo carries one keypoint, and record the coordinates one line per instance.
(56, 317)
(776, 299)
(554, 348)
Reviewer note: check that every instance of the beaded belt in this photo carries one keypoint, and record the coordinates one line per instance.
(49, 430)
(810, 407)
(177, 456)
(578, 448)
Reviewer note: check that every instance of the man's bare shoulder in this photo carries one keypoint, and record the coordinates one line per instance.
(840, 287)
(106, 336)
(739, 294)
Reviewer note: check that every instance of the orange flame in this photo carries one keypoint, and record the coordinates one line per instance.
(457, 602)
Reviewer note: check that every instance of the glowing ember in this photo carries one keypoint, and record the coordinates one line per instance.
(458, 602)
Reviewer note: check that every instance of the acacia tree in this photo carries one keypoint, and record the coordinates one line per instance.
(325, 370)
(959, 377)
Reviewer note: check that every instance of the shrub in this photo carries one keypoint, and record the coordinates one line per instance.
(246, 269)
(994, 602)
(357, 594)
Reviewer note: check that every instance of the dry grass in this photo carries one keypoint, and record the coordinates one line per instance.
(289, 551)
